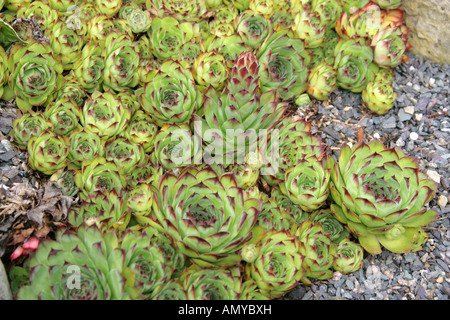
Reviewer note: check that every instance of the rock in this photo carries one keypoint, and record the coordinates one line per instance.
(442, 201)
(390, 123)
(430, 28)
(403, 116)
(433, 175)
(5, 290)
(413, 136)
(409, 110)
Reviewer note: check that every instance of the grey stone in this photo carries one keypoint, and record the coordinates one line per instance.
(430, 28)
(403, 116)
(390, 123)
(5, 290)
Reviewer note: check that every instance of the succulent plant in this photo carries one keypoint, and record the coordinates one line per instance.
(211, 283)
(319, 251)
(176, 146)
(354, 64)
(36, 74)
(167, 35)
(306, 183)
(65, 179)
(290, 140)
(124, 153)
(379, 95)
(121, 63)
(236, 118)
(328, 10)
(380, 195)
(108, 7)
(48, 152)
(72, 89)
(309, 27)
(211, 222)
(89, 68)
(84, 146)
(99, 175)
(99, 26)
(139, 20)
(66, 43)
(30, 124)
(171, 96)
(283, 64)
(389, 46)
(253, 28)
(65, 116)
(171, 290)
(274, 263)
(210, 69)
(141, 130)
(330, 224)
(353, 5)
(388, 4)
(349, 256)
(322, 80)
(39, 11)
(105, 115)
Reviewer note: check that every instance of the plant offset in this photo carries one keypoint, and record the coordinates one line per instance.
(168, 122)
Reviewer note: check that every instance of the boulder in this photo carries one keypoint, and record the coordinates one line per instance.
(430, 28)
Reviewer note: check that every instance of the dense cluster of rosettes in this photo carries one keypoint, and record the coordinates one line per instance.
(168, 121)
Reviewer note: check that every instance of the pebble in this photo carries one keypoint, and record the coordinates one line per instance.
(433, 175)
(413, 136)
(442, 201)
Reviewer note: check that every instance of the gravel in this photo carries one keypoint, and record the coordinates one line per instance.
(419, 124)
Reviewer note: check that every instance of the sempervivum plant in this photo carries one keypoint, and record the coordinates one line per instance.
(105, 114)
(253, 28)
(274, 263)
(206, 214)
(211, 283)
(83, 265)
(354, 64)
(322, 80)
(381, 195)
(167, 35)
(65, 116)
(306, 183)
(109, 209)
(36, 74)
(171, 96)
(88, 70)
(239, 115)
(66, 43)
(141, 130)
(72, 89)
(283, 64)
(310, 28)
(39, 11)
(318, 250)
(48, 152)
(379, 95)
(389, 46)
(124, 153)
(349, 256)
(99, 175)
(139, 20)
(28, 125)
(388, 4)
(121, 63)
(65, 179)
(210, 69)
(330, 224)
(84, 146)
(176, 146)
(4, 72)
(108, 7)
(290, 140)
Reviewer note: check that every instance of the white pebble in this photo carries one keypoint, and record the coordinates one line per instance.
(442, 201)
(433, 175)
(432, 81)
(409, 109)
(413, 136)
(7, 145)
(376, 135)
(418, 116)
